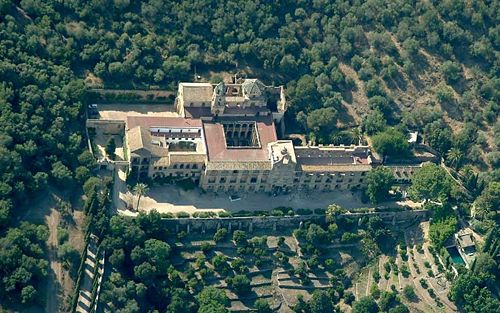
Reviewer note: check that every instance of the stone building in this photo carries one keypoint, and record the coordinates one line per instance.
(225, 140)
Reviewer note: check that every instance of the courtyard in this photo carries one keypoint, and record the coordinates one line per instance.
(174, 199)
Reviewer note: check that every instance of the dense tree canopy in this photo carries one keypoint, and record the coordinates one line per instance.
(391, 142)
(380, 181)
(333, 56)
(431, 182)
(22, 262)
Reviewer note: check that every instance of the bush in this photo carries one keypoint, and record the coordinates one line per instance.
(330, 265)
(239, 283)
(206, 246)
(387, 267)
(304, 211)
(240, 238)
(220, 234)
(320, 211)
(277, 213)
(68, 254)
(349, 298)
(431, 293)
(262, 306)
(225, 214)
(204, 214)
(62, 235)
(374, 291)
(409, 292)
(349, 237)
(182, 214)
(423, 283)
(405, 271)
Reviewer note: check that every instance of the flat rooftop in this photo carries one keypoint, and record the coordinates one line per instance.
(328, 159)
(330, 156)
(161, 121)
(120, 112)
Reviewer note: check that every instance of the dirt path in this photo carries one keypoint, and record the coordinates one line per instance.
(56, 272)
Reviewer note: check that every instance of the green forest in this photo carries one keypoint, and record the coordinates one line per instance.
(376, 67)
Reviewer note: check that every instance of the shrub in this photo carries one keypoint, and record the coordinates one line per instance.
(225, 214)
(182, 214)
(349, 298)
(405, 271)
(387, 267)
(239, 265)
(206, 246)
(304, 211)
(220, 234)
(220, 263)
(277, 213)
(330, 265)
(409, 292)
(240, 238)
(204, 214)
(423, 283)
(281, 258)
(320, 211)
(374, 291)
(239, 283)
(281, 241)
(181, 235)
(349, 237)
(62, 235)
(431, 293)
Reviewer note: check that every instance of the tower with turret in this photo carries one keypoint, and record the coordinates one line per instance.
(218, 99)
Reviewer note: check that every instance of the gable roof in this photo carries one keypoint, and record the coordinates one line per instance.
(140, 138)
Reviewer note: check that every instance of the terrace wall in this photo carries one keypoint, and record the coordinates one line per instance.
(110, 127)
(202, 225)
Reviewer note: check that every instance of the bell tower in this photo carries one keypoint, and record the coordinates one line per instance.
(218, 99)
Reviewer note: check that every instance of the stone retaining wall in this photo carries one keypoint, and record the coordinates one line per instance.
(202, 225)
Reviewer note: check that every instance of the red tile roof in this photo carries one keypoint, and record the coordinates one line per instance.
(216, 143)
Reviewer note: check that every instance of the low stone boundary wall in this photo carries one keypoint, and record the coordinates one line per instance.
(202, 225)
(112, 127)
(131, 96)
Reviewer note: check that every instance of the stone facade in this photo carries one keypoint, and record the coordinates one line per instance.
(226, 141)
